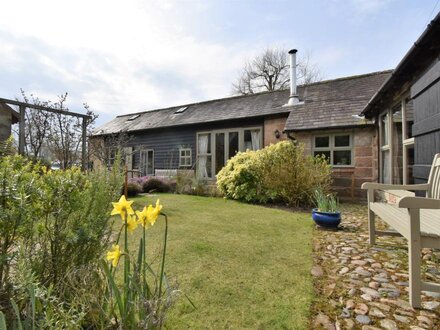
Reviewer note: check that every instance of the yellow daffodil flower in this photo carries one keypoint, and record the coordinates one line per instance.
(114, 254)
(123, 207)
(131, 223)
(143, 217)
(153, 213)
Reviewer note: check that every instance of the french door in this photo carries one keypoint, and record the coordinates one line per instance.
(214, 148)
(147, 162)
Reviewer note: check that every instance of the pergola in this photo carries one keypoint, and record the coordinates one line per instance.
(21, 133)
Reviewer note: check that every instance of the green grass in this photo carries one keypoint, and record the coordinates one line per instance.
(243, 266)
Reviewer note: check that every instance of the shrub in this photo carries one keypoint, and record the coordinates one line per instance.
(133, 189)
(140, 180)
(278, 173)
(156, 185)
(56, 221)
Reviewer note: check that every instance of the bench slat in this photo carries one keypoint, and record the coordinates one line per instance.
(399, 219)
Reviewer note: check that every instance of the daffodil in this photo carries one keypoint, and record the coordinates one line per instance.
(153, 212)
(123, 207)
(114, 254)
(143, 217)
(131, 223)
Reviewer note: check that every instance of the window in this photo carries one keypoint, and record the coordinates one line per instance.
(146, 162)
(214, 148)
(133, 117)
(204, 156)
(181, 110)
(111, 156)
(185, 159)
(135, 159)
(397, 144)
(336, 148)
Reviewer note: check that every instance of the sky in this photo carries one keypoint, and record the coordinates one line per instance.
(136, 55)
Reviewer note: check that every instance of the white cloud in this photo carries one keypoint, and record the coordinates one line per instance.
(118, 56)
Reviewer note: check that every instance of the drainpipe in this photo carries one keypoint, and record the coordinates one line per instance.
(290, 137)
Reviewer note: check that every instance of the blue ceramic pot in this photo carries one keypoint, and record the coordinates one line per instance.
(326, 219)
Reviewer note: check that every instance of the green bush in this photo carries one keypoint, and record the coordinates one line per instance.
(57, 221)
(133, 189)
(277, 173)
(156, 185)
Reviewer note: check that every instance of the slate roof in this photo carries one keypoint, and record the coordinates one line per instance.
(237, 107)
(15, 115)
(332, 103)
(420, 56)
(329, 103)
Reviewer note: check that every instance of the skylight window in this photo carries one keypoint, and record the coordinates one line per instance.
(133, 117)
(180, 110)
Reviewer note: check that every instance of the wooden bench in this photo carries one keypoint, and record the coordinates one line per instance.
(415, 218)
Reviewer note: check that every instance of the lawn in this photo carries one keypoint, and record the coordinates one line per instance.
(243, 266)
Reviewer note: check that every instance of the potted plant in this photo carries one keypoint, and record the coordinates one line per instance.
(326, 213)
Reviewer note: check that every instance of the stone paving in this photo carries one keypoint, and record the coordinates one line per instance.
(363, 287)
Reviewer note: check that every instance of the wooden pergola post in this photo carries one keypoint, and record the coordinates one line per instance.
(84, 144)
(21, 133)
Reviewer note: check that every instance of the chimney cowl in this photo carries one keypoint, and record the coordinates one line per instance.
(293, 51)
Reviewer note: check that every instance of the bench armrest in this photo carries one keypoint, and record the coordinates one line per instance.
(418, 203)
(384, 186)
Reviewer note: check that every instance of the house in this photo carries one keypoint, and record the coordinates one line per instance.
(327, 123)
(201, 137)
(407, 110)
(8, 117)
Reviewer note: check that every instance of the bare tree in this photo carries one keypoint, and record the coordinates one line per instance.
(37, 126)
(269, 71)
(59, 134)
(105, 148)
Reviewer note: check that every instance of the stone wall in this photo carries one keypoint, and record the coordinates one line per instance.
(271, 125)
(347, 181)
(5, 124)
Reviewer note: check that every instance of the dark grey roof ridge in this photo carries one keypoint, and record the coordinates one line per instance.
(259, 93)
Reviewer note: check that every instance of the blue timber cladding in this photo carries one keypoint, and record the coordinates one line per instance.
(167, 141)
(426, 130)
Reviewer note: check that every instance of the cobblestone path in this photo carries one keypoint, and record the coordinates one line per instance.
(363, 287)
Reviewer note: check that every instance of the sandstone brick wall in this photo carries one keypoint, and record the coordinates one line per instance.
(347, 181)
(270, 126)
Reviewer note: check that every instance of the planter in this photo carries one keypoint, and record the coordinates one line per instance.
(326, 219)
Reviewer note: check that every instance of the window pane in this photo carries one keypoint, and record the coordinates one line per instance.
(247, 140)
(409, 116)
(342, 157)
(386, 166)
(150, 169)
(322, 141)
(410, 163)
(342, 141)
(397, 146)
(204, 144)
(219, 151)
(252, 139)
(233, 144)
(384, 129)
(326, 154)
(135, 159)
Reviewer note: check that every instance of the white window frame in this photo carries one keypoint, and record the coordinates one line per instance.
(407, 143)
(333, 148)
(183, 158)
(226, 131)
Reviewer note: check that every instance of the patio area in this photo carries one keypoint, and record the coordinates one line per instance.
(363, 287)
